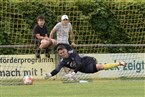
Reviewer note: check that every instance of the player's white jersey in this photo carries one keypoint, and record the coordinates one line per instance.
(63, 32)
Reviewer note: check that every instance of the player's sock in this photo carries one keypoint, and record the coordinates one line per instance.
(109, 65)
(37, 53)
(47, 52)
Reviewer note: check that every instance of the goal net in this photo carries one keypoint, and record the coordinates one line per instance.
(109, 30)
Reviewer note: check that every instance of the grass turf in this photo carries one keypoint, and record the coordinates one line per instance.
(98, 88)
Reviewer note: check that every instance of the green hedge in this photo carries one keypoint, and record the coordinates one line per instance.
(99, 14)
(18, 27)
(105, 24)
(108, 27)
(30, 10)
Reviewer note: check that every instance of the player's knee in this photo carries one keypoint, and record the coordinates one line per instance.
(46, 42)
(43, 45)
(99, 67)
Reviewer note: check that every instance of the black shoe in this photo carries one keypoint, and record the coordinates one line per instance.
(47, 55)
(37, 55)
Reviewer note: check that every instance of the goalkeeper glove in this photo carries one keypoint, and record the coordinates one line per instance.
(47, 76)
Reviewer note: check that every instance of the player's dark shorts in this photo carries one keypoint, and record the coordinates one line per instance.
(67, 46)
(89, 65)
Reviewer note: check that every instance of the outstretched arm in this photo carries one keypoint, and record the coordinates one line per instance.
(54, 72)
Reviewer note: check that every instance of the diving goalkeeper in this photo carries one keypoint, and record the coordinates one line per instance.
(84, 64)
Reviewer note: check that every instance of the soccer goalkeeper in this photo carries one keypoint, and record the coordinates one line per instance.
(84, 64)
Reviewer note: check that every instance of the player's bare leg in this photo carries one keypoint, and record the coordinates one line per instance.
(110, 65)
(45, 44)
(54, 43)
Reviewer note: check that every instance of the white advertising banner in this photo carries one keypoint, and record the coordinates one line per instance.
(16, 66)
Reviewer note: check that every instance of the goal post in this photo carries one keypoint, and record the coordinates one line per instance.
(108, 30)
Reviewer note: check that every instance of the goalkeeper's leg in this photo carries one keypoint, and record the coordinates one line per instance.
(110, 65)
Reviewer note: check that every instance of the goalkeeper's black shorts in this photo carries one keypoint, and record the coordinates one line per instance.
(89, 65)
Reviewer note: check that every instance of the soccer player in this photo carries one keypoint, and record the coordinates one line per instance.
(41, 36)
(84, 64)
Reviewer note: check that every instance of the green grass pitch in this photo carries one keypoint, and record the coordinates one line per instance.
(97, 88)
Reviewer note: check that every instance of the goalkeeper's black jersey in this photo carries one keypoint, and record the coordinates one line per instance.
(84, 64)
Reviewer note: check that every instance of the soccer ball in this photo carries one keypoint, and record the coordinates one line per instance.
(28, 80)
